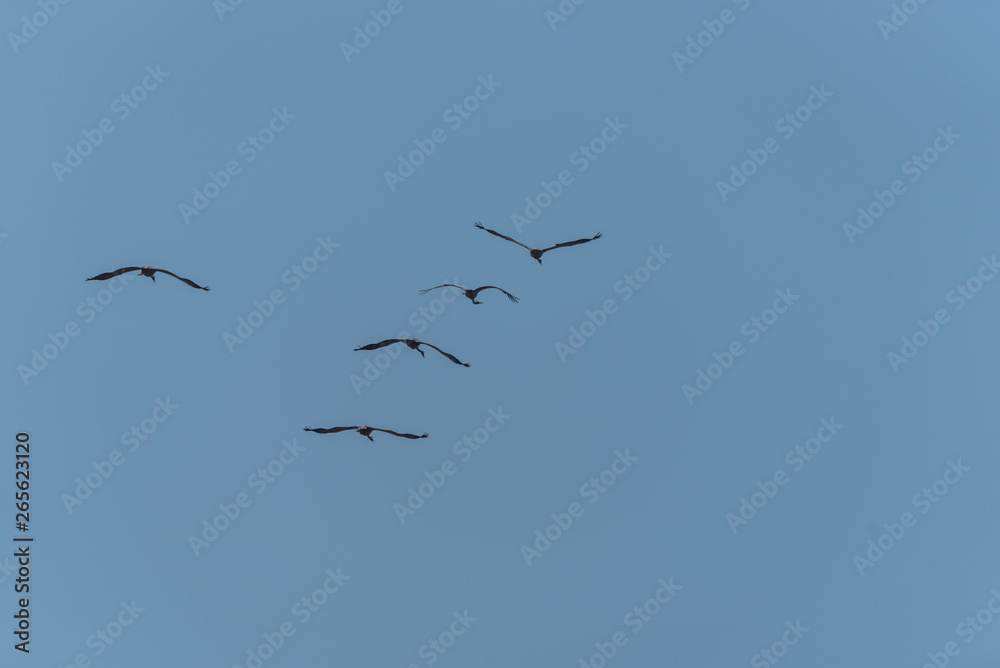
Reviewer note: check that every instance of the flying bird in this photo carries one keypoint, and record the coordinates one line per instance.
(144, 271)
(471, 294)
(537, 253)
(414, 344)
(364, 430)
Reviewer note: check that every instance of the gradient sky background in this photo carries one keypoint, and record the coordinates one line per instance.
(323, 176)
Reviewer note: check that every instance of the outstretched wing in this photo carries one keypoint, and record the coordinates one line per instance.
(389, 431)
(381, 344)
(487, 287)
(188, 281)
(332, 430)
(448, 355)
(572, 243)
(497, 234)
(112, 274)
(445, 285)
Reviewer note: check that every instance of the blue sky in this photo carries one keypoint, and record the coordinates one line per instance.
(249, 150)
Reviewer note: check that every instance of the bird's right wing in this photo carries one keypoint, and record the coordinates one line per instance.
(112, 274)
(394, 433)
(186, 280)
(332, 430)
(497, 234)
(509, 296)
(573, 243)
(448, 355)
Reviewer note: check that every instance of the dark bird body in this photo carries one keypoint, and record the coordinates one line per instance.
(364, 430)
(471, 294)
(144, 271)
(537, 253)
(413, 344)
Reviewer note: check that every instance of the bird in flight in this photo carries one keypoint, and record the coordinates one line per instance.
(471, 294)
(537, 253)
(414, 344)
(364, 430)
(144, 271)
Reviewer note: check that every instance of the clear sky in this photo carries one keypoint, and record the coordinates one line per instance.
(705, 415)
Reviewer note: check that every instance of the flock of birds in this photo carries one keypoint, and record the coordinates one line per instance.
(413, 344)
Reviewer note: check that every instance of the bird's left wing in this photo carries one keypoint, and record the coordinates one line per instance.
(111, 274)
(443, 285)
(381, 344)
(331, 430)
(502, 236)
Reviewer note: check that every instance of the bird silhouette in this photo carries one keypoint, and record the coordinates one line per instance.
(144, 271)
(364, 430)
(413, 344)
(471, 294)
(537, 253)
